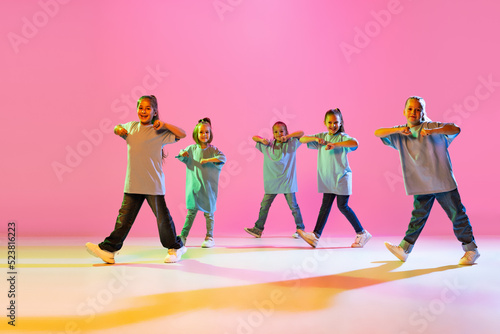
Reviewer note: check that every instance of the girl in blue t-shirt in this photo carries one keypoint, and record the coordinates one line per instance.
(144, 181)
(428, 176)
(334, 176)
(280, 176)
(203, 165)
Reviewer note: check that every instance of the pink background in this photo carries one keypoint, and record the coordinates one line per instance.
(67, 65)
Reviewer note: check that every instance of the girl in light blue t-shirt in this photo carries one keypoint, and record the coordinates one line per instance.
(203, 166)
(280, 174)
(334, 176)
(428, 176)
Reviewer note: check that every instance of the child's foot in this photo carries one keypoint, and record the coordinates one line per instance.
(469, 257)
(295, 235)
(208, 243)
(397, 250)
(95, 250)
(174, 255)
(254, 231)
(361, 239)
(183, 238)
(309, 237)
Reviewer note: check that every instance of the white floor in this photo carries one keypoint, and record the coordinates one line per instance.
(250, 286)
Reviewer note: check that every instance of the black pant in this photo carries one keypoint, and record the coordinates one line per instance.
(126, 217)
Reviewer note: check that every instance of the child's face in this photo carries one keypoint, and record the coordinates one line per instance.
(333, 123)
(204, 133)
(413, 112)
(279, 131)
(145, 112)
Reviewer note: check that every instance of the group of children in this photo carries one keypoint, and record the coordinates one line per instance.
(422, 145)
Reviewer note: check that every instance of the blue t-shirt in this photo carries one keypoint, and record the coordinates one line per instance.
(280, 171)
(425, 160)
(334, 173)
(144, 158)
(202, 181)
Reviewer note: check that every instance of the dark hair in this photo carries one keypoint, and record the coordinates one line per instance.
(337, 112)
(203, 121)
(154, 105)
(280, 123)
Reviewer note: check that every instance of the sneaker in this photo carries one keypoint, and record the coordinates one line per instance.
(174, 255)
(361, 239)
(469, 257)
(95, 250)
(183, 238)
(208, 243)
(295, 235)
(309, 237)
(397, 250)
(254, 231)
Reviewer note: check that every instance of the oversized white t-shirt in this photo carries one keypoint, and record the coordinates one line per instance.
(425, 161)
(144, 158)
(280, 170)
(334, 173)
(202, 181)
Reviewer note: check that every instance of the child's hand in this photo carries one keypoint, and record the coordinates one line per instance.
(265, 141)
(405, 131)
(284, 139)
(185, 154)
(330, 146)
(204, 161)
(157, 125)
(121, 132)
(321, 141)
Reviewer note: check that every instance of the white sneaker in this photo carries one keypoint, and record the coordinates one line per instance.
(174, 255)
(208, 242)
(95, 250)
(397, 250)
(361, 239)
(309, 237)
(295, 235)
(469, 257)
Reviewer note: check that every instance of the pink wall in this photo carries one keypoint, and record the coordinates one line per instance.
(70, 68)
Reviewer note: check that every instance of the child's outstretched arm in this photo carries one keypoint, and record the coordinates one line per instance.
(385, 132)
(446, 129)
(261, 140)
(178, 132)
(308, 139)
(120, 131)
(296, 134)
(347, 143)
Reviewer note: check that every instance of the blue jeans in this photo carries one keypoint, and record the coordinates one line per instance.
(451, 203)
(266, 204)
(191, 215)
(324, 212)
(126, 217)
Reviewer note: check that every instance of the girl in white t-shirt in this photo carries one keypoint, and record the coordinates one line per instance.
(144, 181)
(334, 176)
